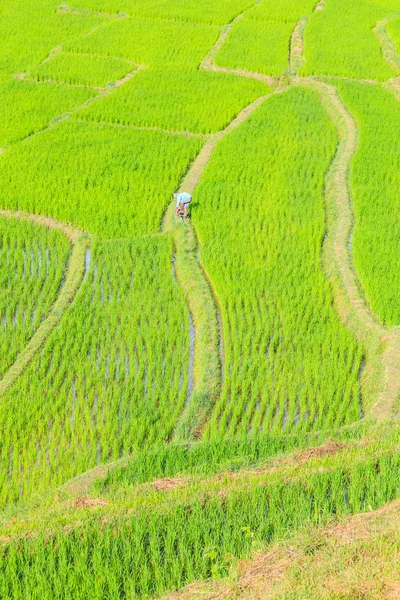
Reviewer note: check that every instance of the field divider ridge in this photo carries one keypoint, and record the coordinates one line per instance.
(64, 9)
(208, 64)
(202, 299)
(190, 134)
(100, 93)
(74, 275)
(296, 44)
(381, 377)
(388, 48)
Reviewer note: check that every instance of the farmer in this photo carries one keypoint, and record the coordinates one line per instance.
(182, 202)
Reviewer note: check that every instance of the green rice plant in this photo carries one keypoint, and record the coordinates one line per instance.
(82, 69)
(108, 181)
(285, 11)
(170, 541)
(197, 101)
(26, 108)
(388, 32)
(393, 29)
(113, 377)
(209, 12)
(375, 180)
(151, 43)
(289, 363)
(33, 261)
(340, 41)
(37, 28)
(257, 46)
(207, 457)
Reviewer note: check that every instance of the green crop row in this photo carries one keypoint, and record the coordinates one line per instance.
(114, 375)
(181, 100)
(82, 69)
(208, 12)
(108, 181)
(340, 41)
(33, 261)
(215, 456)
(393, 29)
(257, 46)
(150, 43)
(375, 180)
(289, 363)
(37, 28)
(171, 542)
(26, 108)
(284, 11)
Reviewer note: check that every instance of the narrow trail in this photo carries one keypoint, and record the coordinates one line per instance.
(83, 484)
(208, 64)
(389, 51)
(201, 298)
(382, 374)
(190, 134)
(296, 49)
(65, 9)
(380, 379)
(80, 242)
(202, 301)
(296, 46)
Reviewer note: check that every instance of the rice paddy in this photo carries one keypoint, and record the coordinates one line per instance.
(214, 383)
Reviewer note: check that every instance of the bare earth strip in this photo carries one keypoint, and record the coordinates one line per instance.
(296, 48)
(389, 52)
(65, 9)
(208, 63)
(351, 558)
(382, 375)
(199, 294)
(73, 278)
(296, 52)
(189, 134)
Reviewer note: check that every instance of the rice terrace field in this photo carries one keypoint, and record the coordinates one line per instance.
(197, 408)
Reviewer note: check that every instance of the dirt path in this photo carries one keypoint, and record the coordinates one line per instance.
(190, 134)
(73, 277)
(65, 9)
(81, 485)
(296, 47)
(208, 63)
(389, 51)
(100, 93)
(201, 298)
(354, 557)
(382, 375)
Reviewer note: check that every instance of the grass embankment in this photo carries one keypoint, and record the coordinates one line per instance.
(73, 278)
(202, 302)
(356, 557)
(142, 540)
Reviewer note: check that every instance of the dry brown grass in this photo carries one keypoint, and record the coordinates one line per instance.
(354, 559)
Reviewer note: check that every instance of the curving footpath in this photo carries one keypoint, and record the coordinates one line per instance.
(208, 63)
(80, 243)
(296, 47)
(381, 378)
(389, 51)
(202, 301)
(382, 374)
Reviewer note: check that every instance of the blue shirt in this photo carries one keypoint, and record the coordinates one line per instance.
(183, 198)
